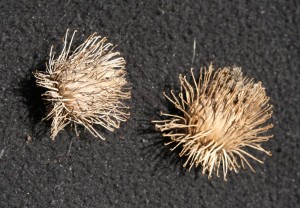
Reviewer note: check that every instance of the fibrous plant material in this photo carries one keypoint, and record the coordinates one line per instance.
(222, 115)
(86, 87)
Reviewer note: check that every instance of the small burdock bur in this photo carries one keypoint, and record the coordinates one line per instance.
(86, 86)
(221, 116)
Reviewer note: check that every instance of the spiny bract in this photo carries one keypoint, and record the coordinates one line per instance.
(86, 86)
(221, 114)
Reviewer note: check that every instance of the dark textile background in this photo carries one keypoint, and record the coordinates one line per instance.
(133, 168)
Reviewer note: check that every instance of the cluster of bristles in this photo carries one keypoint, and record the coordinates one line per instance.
(85, 87)
(221, 114)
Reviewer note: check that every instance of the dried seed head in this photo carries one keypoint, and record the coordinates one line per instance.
(221, 114)
(85, 87)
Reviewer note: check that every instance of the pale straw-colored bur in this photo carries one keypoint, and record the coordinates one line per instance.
(86, 86)
(222, 116)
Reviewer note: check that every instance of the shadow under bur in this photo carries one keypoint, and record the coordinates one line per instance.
(155, 148)
(36, 107)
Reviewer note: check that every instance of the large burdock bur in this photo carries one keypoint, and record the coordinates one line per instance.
(86, 86)
(222, 116)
